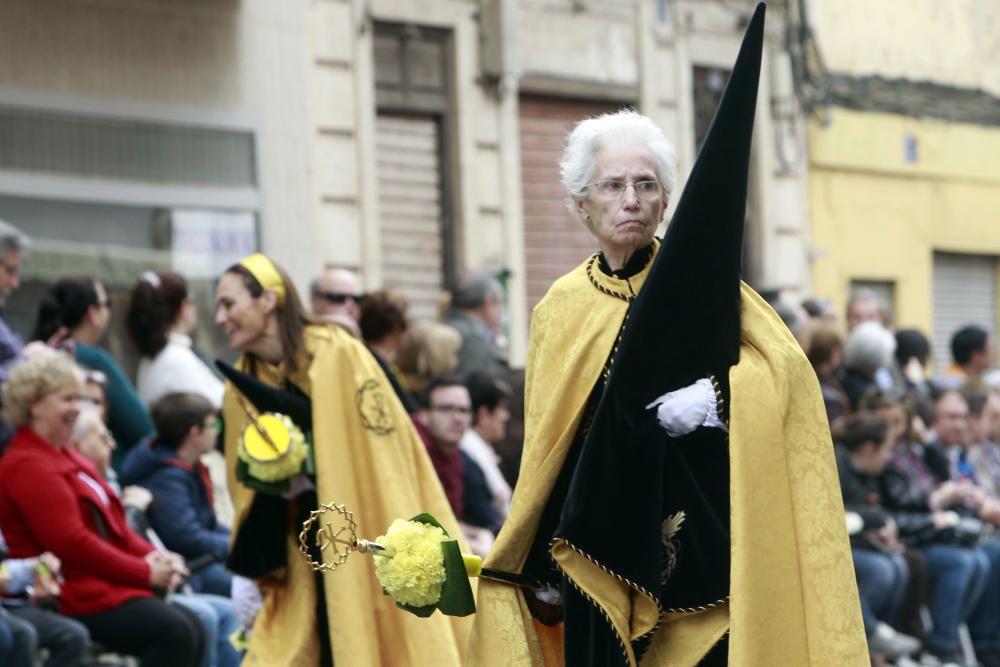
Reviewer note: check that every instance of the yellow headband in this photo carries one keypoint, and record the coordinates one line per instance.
(263, 269)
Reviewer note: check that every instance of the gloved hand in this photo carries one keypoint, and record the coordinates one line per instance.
(246, 600)
(682, 411)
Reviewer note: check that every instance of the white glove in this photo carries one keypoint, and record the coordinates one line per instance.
(246, 600)
(682, 411)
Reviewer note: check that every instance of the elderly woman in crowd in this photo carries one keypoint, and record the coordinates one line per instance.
(430, 350)
(52, 499)
(868, 348)
(367, 456)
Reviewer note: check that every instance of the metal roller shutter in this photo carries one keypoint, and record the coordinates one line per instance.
(554, 241)
(409, 192)
(965, 292)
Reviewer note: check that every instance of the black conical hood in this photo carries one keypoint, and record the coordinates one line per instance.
(689, 309)
(632, 480)
(266, 398)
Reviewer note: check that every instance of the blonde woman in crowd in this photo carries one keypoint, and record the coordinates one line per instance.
(430, 351)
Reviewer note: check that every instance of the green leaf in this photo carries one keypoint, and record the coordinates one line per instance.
(422, 612)
(246, 479)
(456, 593)
(309, 463)
(424, 517)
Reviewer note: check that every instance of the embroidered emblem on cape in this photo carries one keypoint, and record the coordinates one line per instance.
(671, 526)
(374, 408)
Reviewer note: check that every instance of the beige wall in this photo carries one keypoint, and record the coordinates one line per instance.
(300, 74)
(625, 51)
(484, 132)
(184, 58)
(947, 41)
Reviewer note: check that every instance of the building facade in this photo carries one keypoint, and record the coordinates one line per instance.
(410, 140)
(904, 158)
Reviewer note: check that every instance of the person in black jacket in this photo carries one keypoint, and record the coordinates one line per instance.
(485, 494)
(169, 466)
(928, 508)
(881, 571)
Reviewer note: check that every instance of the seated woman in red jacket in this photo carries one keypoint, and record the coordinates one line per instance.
(52, 499)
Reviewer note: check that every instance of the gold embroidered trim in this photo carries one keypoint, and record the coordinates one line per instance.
(671, 526)
(608, 290)
(606, 371)
(704, 607)
(635, 587)
(720, 402)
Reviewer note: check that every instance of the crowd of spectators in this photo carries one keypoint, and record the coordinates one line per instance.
(114, 510)
(918, 454)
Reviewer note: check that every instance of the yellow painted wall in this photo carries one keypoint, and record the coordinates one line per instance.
(947, 41)
(876, 216)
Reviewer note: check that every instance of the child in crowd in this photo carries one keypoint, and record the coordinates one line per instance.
(169, 466)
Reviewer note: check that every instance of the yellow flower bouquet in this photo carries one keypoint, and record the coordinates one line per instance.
(423, 568)
(415, 561)
(271, 451)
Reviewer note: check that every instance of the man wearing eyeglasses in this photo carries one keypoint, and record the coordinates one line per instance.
(442, 423)
(336, 295)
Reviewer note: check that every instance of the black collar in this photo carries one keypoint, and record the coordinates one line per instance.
(636, 263)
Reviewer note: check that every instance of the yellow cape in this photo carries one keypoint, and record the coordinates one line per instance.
(368, 457)
(793, 601)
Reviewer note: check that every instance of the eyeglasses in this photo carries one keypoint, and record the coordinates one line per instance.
(611, 188)
(214, 422)
(462, 410)
(338, 297)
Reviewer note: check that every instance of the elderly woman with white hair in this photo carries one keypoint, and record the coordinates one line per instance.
(618, 172)
(54, 500)
(868, 348)
(678, 501)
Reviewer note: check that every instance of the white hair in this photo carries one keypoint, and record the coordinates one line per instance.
(88, 419)
(12, 238)
(622, 128)
(868, 347)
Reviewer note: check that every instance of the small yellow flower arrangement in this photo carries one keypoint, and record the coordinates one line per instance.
(424, 569)
(271, 451)
(415, 571)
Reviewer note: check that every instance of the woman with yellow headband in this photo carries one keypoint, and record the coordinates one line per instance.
(367, 457)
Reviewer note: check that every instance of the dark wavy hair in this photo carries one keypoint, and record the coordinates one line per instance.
(383, 313)
(153, 309)
(292, 316)
(65, 304)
